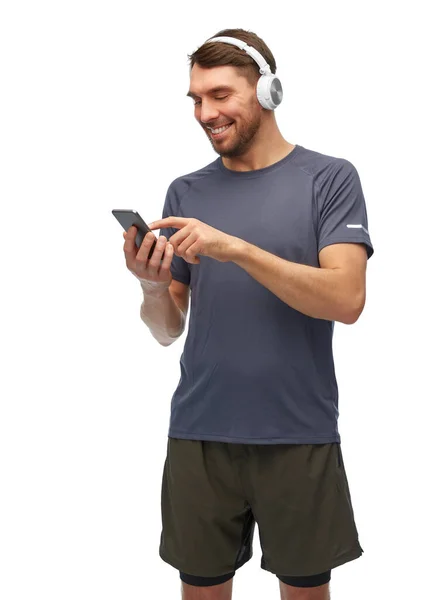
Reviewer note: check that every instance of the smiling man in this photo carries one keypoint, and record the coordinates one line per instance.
(271, 242)
(238, 127)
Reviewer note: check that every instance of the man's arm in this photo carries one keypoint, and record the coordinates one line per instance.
(164, 312)
(334, 291)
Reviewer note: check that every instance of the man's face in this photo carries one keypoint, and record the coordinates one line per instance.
(221, 96)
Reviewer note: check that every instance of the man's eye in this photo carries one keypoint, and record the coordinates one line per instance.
(217, 98)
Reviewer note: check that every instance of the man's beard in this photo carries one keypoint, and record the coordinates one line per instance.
(241, 138)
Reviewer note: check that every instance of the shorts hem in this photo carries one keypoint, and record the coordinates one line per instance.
(341, 559)
(184, 568)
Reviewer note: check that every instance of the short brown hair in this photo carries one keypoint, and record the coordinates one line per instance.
(216, 54)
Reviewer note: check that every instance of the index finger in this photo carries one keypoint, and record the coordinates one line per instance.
(177, 222)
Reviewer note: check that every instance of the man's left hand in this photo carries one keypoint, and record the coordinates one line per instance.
(195, 237)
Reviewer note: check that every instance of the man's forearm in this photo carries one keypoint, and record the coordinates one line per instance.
(316, 292)
(162, 315)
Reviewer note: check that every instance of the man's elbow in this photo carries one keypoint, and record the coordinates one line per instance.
(167, 341)
(353, 310)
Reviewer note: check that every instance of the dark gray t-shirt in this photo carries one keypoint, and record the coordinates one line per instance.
(254, 370)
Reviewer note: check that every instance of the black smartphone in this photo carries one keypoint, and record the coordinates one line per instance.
(127, 218)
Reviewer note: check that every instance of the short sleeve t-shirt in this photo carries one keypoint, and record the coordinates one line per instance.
(254, 370)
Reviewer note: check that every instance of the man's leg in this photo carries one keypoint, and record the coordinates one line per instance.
(221, 591)
(289, 592)
(304, 514)
(208, 524)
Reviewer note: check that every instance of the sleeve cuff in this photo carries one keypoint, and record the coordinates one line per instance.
(343, 240)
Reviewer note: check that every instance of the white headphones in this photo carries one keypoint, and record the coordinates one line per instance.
(269, 89)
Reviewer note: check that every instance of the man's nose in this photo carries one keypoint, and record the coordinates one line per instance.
(208, 113)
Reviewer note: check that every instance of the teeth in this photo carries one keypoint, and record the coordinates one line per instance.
(220, 129)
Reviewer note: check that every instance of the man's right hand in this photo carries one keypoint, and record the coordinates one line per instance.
(155, 274)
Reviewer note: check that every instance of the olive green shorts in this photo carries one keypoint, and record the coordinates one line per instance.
(213, 493)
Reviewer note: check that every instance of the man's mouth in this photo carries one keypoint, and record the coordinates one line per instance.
(219, 131)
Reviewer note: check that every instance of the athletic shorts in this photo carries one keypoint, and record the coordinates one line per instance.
(213, 493)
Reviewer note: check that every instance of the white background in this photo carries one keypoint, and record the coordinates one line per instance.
(94, 117)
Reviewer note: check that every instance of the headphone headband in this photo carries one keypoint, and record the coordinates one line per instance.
(264, 67)
(269, 89)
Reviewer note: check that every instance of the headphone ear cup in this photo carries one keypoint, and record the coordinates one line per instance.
(269, 91)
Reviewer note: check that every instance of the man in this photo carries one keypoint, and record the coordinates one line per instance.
(272, 240)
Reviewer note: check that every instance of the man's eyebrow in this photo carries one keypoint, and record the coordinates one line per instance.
(219, 88)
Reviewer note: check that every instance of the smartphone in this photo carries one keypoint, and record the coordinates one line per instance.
(127, 218)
